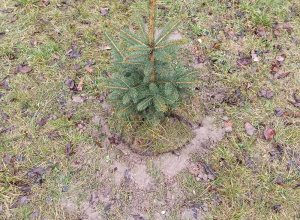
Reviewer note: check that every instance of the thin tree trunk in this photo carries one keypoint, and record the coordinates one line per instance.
(151, 35)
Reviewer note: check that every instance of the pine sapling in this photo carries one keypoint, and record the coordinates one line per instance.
(146, 81)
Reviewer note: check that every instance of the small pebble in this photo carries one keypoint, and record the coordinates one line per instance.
(64, 189)
(225, 118)
(228, 129)
(197, 179)
(163, 212)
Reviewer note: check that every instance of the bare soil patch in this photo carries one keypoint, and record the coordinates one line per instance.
(131, 188)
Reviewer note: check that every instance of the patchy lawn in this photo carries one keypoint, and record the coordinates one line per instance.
(234, 154)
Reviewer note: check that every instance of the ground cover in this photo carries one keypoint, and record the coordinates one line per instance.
(66, 155)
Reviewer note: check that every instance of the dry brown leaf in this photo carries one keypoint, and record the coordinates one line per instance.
(266, 93)
(34, 42)
(104, 11)
(44, 3)
(269, 133)
(250, 129)
(80, 85)
(25, 69)
(280, 58)
(89, 69)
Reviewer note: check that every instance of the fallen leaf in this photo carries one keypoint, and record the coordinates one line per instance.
(244, 61)
(201, 59)
(70, 83)
(4, 116)
(280, 58)
(69, 116)
(76, 67)
(250, 129)
(34, 42)
(77, 99)
(53, 136)
(35, 172)
(276, 208)
(4, 85)
(240, 14)
(276, 30)
(6, 10)
(21, 201)
(7, 129)
(260, 32)
(73, 52)
(42, 121)
(89, 69)
(297, 101)
(275, 69)
(266, 93)
(65, 189)
(69, 149)
(229, 124)
(35, 215)
(55, 56)
(44, 3)
(249, 85)
(14, 18)
(282, 76)
(26, 189)
(90, 63)
(80, 85)
(25, 69)
(283, 185)
(94, 199)
(107, 207)
(48, 198)
(269, 133)
(62, 101)
(217, 45)
(254, 56)
(231, 35)
(249, 163)
(287, 25)
(102, 96)
(52, 62)
(104, 11)
(194, 170)
(2, 34)
(278, 112)
(6, 159)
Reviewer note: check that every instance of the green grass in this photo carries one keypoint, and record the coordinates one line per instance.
(245, 193)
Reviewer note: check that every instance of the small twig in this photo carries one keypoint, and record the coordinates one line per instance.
(181, 119)
(4, 78)
(207, 168)
(295, 97)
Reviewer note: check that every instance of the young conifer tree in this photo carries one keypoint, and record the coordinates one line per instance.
(146, 82)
